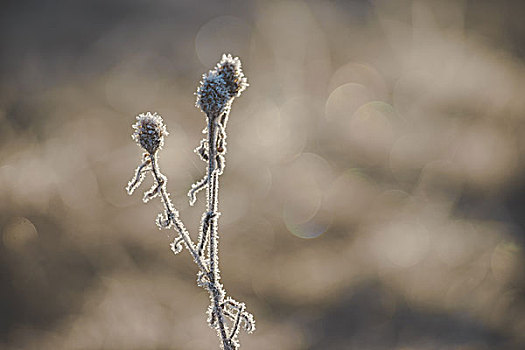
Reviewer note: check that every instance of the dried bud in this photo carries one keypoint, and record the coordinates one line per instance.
(230, 70)
(220, 86)
(213, 97)
(149, 132)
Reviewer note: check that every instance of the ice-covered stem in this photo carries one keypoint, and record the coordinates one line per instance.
(172, 219)
(149, 134)
(218, 88)
(215, 94)
(212, 213)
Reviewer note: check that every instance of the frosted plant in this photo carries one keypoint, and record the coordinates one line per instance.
(216, 92)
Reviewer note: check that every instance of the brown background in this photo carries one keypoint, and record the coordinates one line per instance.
(373, 195)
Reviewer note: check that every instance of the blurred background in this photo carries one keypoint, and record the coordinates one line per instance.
(373, 195)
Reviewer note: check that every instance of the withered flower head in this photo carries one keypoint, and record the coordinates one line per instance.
(229, 69)
(212, 95)
(149, 132)
(220, 86)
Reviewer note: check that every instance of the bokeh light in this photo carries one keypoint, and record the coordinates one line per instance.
(373, 193)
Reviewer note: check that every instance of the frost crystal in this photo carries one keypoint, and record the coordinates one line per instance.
(220, 86)
(230, 70)
(149, 132)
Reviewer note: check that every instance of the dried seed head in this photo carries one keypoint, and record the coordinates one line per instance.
(230, 70)
(149, 132)
(220, 86)
(213, 97)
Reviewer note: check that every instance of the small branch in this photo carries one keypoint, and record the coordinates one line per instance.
(154, 191)
(202, 150)
(179, 227)
(173, 217)
(204, 231)
(139, 177)
(235, 329)
(247, 317)
(196, 187)
(249, 323)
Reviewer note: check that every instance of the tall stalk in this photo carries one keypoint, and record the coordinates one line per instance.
(215, 95)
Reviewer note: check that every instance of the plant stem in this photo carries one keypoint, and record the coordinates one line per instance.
(212, 207)
(173, 217)
(214, 286)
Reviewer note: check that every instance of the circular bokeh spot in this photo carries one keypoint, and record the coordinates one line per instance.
(225, 34)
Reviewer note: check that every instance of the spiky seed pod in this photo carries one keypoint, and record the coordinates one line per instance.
(149, 132)
(213, 97)
(229, 68)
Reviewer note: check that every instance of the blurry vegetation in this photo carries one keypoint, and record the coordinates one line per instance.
(374, 192)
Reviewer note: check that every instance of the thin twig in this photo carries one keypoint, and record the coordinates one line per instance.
(174, 218)
(195, 188)
(204, 231)
(212, 207)
(235, 328)
(139, 176)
